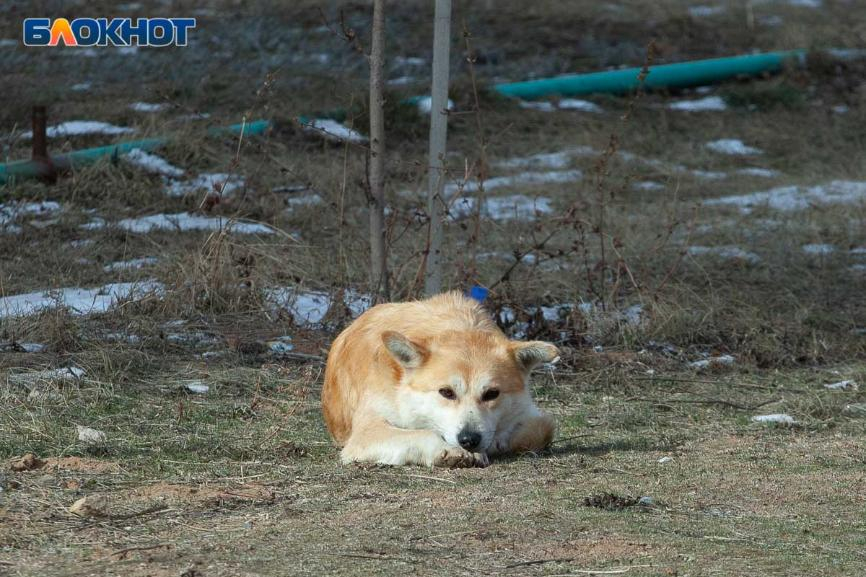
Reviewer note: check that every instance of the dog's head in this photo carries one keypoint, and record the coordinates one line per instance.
(463, 383)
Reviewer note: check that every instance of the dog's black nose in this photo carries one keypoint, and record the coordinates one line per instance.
(469, 440)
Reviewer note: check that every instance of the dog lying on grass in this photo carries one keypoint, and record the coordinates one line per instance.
(434, 383)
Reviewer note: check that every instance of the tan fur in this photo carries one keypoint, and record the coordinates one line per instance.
(381, 398)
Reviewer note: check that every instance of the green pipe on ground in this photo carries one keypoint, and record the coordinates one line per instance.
(63, 162)
(678, 75)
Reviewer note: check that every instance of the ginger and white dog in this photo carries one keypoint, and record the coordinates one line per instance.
(435, 383)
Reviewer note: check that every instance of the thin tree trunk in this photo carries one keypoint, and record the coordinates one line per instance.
(378, 249)
(438, 139)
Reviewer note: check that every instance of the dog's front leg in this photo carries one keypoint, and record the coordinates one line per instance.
(374, 440)
(530, 434)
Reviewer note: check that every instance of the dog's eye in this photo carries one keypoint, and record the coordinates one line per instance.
(448, 393)
(490, 394)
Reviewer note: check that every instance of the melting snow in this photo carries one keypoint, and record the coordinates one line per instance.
(761, 172)
(11, 211)
(307, 200)
(649, 185)
(706, 363)
(578, 104)
(513, 207)
(197, 387)
(559, 159)
(790, 198)
(541, 105)
(185, 221)
(333, 130)
(818, 249)
(80, 127)
(732, 146)
(131, 264)
(309, 308)
(731, 252)
(409, 61)
(842, 386)
(704, 11)
(225, 184)
(563, 104)
(79, 301)
(774, 418)
(708, 104)
(61, 374)
(147, 106)
(522, 178)
(152, 163)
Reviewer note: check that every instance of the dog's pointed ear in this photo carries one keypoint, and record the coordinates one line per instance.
(533, 353)
(409, 354)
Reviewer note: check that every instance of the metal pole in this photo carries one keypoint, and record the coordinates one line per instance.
(438, 139)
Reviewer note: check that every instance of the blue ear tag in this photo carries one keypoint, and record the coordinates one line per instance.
(478, 293)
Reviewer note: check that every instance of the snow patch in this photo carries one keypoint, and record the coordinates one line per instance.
(216, 183)
(578, 104)
(732, 146)
(723, 360)
(781, 418)
(791, 198)
(79, 301)
(81, 87)
(333, 130)
(540, 105)
(842, 386)
(520, 179)
(818, 249)
(307, 200)
(705, 11)
(132, 264)
(560, 159)
(152, 163)
(726, 252)
(81, 127)
(183, 221)
(11, 211)
(308, 308)
(760, 172)
(708, 104)
(148, 106)
(649, 185)
(512, 207)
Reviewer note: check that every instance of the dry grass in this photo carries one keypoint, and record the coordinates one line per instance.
(243, 479)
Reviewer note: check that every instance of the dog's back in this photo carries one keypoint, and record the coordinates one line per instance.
(358, 360)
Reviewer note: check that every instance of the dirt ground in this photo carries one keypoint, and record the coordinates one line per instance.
(698, 269)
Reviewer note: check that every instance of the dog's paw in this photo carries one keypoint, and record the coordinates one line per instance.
(454, 458)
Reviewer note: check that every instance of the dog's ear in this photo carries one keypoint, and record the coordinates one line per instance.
(533, 353)
(409, 354)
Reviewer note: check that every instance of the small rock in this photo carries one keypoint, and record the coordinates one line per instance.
(28, 462)
(664, 460)
(90, 436)
(89, 507)
(646, 501)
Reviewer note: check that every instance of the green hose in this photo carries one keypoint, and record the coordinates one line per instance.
(36, 169)
(679, 75)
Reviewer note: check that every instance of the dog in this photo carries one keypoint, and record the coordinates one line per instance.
(434, 383)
